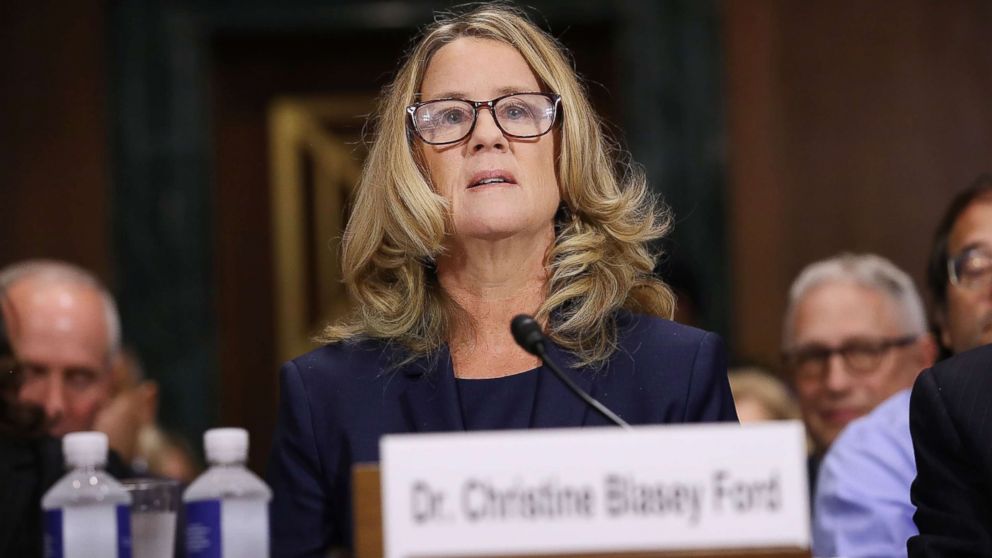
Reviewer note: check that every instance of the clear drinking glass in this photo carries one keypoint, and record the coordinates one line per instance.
(153, 516)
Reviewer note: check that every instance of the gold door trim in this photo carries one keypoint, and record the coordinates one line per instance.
(316, 155)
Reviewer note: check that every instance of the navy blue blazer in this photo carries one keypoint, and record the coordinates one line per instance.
(337, 401)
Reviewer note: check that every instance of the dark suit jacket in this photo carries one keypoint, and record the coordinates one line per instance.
(950, 416)
(337, 402)
(28, 467)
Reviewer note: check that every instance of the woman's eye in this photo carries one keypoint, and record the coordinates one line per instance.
(452, 116)
(516, 112)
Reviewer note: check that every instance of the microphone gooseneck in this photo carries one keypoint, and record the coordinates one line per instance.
(527, 333)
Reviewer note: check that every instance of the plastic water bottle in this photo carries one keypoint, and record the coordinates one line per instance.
(87, 512)
(227, 507)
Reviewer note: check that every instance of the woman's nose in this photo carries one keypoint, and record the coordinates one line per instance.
(487, 134)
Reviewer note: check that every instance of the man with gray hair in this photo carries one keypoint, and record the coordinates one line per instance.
(855, 339)
(67, 337)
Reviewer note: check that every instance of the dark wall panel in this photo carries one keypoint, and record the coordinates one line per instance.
(851, 125)
(53, 148)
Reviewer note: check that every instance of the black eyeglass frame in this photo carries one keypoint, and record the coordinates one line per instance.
(883, 346)
(491, 105)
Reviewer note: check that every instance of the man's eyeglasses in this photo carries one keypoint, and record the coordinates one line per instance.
(518, 115)
(860, 356)
(971, 268)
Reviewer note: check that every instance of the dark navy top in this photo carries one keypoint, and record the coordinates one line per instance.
(339, 400)
(504, 403)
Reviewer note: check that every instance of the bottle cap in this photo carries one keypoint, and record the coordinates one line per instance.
(226, 445)
(85, 449)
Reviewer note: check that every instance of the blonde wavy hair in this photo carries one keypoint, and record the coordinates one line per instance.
(600, 260)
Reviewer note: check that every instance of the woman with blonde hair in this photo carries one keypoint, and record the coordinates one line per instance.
(489, 191)
(759, 396)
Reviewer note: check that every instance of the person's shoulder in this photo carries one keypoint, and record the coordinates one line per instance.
(885, 426)
(891, 413)
(878, 446)
(965, 372)
(646, 326)
(342, 360)
(654, 343)
(652, 334)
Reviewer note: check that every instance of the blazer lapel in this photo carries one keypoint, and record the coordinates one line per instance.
(431, 396)
(555, 406)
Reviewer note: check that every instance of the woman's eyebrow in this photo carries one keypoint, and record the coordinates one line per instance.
(462, 95)
(510, 90)
(446, 95)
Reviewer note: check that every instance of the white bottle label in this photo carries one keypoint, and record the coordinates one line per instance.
(87, 531)
(227, 529)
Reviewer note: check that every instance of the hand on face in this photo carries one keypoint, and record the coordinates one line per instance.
(127, 413)
(497, 186)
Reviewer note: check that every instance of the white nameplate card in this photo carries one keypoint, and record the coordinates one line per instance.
(595, 490)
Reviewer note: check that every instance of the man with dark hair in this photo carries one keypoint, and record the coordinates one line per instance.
(950, 410)
(957, 274)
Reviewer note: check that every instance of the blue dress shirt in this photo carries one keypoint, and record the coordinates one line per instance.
(862, 505)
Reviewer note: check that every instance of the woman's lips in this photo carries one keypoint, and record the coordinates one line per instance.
(493, 177)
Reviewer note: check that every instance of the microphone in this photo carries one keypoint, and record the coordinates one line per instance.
(527, 333)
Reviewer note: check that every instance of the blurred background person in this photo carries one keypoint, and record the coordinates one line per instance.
(30, 461)
(855, 340)
(130, 422)
(959, 272)
(167, 454)
(67, 341)
(489, 191)
(854, 334)
(759, 396)
(132, 407)
(950, 420)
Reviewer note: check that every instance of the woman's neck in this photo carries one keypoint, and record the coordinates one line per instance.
(492, 282)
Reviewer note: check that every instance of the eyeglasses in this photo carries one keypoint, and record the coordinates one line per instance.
(518, 115)
(971, 269)
(861, 356)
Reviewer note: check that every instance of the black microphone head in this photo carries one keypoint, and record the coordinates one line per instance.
(527, 333)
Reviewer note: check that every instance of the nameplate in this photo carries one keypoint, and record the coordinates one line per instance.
(686, 487)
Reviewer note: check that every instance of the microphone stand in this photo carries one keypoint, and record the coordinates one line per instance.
(608, 414)
(527, 333)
